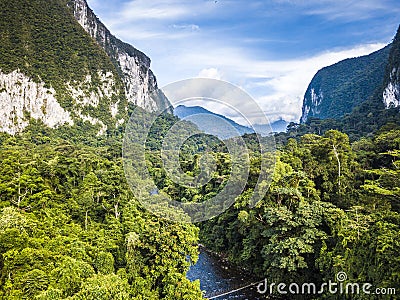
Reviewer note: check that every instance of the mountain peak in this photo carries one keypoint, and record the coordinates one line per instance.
(221, 126)
(53, 70)
(337, 89)
(211, 123)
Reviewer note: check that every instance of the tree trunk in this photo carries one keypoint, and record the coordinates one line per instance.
(338, 160)
(86, 219)
(116, 212)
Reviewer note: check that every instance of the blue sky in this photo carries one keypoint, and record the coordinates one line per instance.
(269, 48)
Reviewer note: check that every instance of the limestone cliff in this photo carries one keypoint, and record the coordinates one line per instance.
(132, 64)
(53, 70)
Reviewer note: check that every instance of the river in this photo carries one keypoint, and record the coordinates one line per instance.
(216, 278)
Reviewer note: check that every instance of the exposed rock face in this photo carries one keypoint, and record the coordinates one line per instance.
(21, 98)
(132, 64)
(84, 95)
(312, 107)
(391, 93)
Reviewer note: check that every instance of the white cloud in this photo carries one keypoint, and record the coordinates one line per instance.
(163, 10)
(143, 9)
(210, 73)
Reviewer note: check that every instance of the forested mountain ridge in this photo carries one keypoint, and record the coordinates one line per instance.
(378, 109)
(52, 70)
(337, 89)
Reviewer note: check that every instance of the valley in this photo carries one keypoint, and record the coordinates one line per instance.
(81, 112)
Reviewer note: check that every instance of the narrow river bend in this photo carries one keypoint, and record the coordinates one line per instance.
(217, 279)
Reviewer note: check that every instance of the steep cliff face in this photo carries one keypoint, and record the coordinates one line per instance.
(337, 89)
(391, 84)
(391, 93)
(22, 97)
(52, 70)
(132, 64)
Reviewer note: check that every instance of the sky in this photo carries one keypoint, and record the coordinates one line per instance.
(271, 49)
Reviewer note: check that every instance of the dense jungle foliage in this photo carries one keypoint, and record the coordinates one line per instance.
(71, 228)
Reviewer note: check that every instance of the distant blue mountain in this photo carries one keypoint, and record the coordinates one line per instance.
(277, 126)
(210, 122)
(220, 125)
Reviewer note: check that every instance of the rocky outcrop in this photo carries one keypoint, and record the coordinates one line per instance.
(312, 107)
(21, 99)
(132, 64)
(391, 93)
